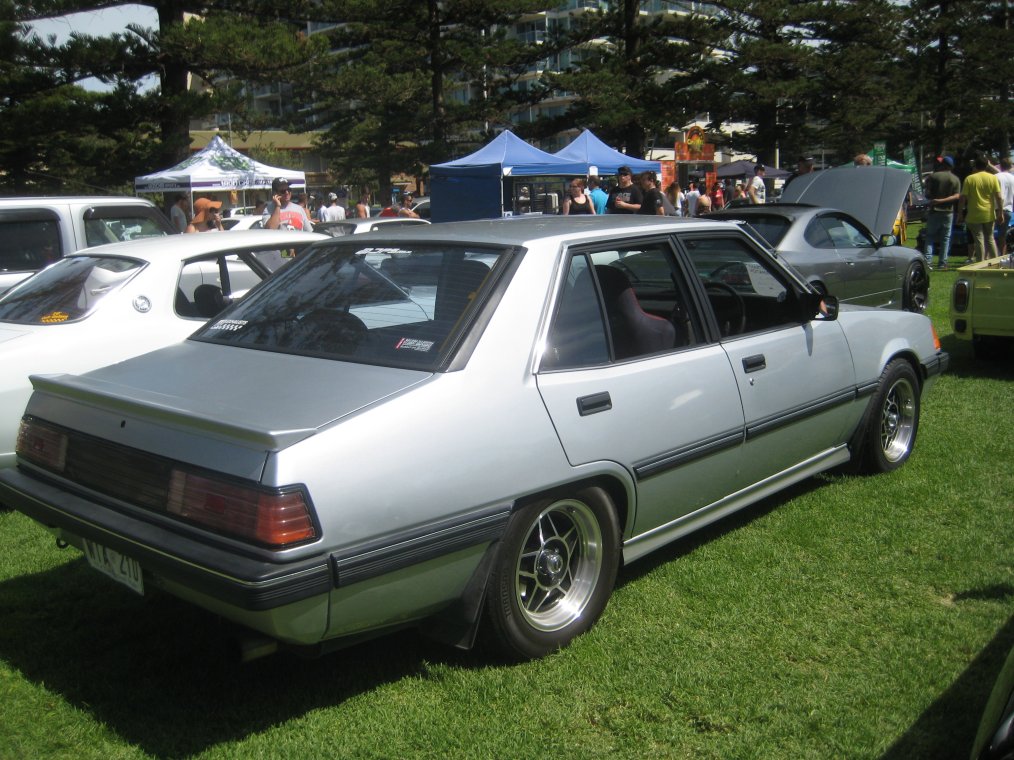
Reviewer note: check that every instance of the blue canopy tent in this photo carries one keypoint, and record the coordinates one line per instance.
(598, 158)
(474, 187)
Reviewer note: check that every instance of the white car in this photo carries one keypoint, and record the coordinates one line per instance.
(107, 304)
(359, 226)
(243, 222)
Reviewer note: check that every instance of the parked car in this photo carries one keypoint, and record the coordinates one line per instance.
(359, 226)
(478, 426)
(982, 307)
(243, 222)
(835, 229)
(35, 232)
(112, 302)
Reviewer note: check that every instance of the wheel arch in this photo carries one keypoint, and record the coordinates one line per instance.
(619, 491)
(458, 625)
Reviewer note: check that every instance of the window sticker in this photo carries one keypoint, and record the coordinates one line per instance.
(54, 317)
(413, 344)
(230, 325)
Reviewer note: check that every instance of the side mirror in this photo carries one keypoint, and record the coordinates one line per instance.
(886, 240)
(828, 308)
(818, 306)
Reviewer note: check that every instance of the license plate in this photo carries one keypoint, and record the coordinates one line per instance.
(120, 568)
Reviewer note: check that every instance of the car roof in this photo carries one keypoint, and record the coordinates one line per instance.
(98, 200)
(200, 243)
(521, 231)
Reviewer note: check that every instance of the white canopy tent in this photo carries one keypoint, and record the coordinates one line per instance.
(216, 168)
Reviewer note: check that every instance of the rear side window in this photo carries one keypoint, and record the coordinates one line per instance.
(67, 291)
(618, 304)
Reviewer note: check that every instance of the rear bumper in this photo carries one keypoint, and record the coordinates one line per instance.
(221, 574)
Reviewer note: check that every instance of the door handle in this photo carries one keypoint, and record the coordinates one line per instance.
(595, 403)
(754, 363)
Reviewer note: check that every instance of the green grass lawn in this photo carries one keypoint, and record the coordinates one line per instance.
(849, 618)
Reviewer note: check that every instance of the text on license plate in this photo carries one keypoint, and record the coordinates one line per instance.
(117, 566)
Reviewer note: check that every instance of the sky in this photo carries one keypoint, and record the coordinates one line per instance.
(98, 23)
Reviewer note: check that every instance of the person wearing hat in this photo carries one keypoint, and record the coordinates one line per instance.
(331, 211)
(757, 191)
(943, 190)
(206, 216)
(625, 198)
(282, 213)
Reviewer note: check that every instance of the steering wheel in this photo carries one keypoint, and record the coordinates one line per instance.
(730, 309)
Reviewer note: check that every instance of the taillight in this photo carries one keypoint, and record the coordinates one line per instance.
(42, 444)
(271, 518)
(936, 338)
(960, 294)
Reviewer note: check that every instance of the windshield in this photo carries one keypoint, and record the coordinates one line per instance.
(402, 307)
(67, 291)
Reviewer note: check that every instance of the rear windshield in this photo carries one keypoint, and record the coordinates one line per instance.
(408, 306)
(771, 228)
(67, 291)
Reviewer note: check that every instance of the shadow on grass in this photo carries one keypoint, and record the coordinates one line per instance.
(947, 728)
(164, 675)
(686, 545)
(965, 365)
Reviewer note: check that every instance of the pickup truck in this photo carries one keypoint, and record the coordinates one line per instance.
(35, 232)
(982, 305)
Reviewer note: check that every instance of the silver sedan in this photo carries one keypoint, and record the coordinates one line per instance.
(466, 427)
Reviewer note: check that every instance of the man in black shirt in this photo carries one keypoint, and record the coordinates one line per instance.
(625, 198)
(651, 198)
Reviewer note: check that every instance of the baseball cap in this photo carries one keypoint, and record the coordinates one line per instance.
(279, 184)
(624, 170)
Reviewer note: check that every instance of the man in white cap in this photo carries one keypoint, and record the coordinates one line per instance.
(331, 211)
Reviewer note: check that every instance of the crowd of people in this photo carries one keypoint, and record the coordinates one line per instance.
(285, 209)
(643, 194)
(976, 195)
(981, 201)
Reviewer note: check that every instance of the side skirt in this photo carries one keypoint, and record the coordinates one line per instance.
(638, 546)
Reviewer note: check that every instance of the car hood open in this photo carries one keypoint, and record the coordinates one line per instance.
(872, 194)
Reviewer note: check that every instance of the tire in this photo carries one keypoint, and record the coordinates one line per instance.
(553, 575)
(915, 289)
(887, 436)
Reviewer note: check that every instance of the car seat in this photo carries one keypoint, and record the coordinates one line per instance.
(209, 300)
(634, 331)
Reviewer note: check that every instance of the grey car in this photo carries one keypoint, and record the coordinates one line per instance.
(466, 427)
(835, 230)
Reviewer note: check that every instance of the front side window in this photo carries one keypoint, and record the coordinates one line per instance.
(844, 234)
(67, 291)
(744, 291)
(114, 224)
(29, 245)
(406, 307)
